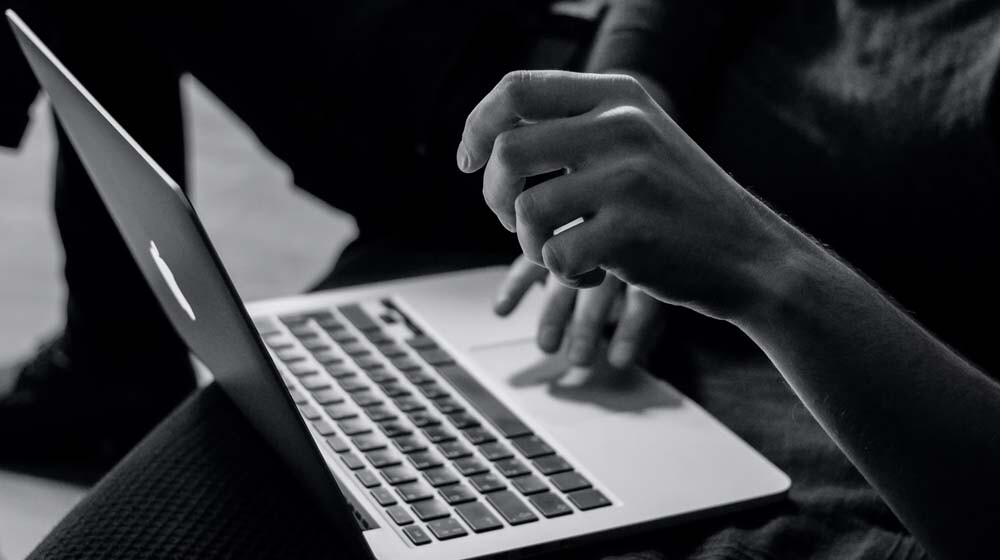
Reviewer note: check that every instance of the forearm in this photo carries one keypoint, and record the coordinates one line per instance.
(921, 423)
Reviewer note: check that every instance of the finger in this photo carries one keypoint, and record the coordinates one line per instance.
(532, 150)
(637, 329)
(589, 317)
(532, 96)
(576, 255)
(521, 276)
(555, 316)
(545, 208)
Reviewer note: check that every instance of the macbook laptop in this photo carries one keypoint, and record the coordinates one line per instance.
(423, 425)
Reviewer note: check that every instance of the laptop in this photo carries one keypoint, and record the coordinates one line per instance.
(421, 424)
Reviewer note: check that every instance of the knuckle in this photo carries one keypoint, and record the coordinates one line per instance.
(631, 87)
(632, 125)
(507, 149)
(514, 86)
(527, 209)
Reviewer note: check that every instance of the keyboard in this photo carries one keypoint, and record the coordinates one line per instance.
(439, 453)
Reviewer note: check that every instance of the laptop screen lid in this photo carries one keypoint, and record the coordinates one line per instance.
(179, 263)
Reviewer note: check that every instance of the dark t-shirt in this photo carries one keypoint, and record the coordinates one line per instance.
(870, 124)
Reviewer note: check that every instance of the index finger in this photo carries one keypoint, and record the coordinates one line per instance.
(532, 95)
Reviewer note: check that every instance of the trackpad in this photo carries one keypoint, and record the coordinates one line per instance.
(548, 387)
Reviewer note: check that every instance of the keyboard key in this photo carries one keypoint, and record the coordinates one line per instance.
(463, 420)
(440, 476)
(487, 482)
(423, 418)
(435, 356)
(532, 446)
(390, 349)
(365, 398)
(552, 464)
(354, 426)
(355, 349)
(550, 505)
(408, 404)
(298, 396)
(432, 391)
(588, 499)
(417, 535)
(328, 357)
(469, 466)
(512, 467)
(290, 355)
(530, 484)
(382, 458)
(341, 336)
(454, 449)
(448, 405)
(384, 497)
(421, 342)
(429, 510)
(393, 390)
(368, 479)
(405, 363)
(301, 330)
(337, 444)
(479, 517)
(324, 427)
(315, 344)
(328, 322)
(494, 451)
(377, 337)
(369, 442)
(478, 436)
(340, 411)
(485, 402)
(437, 434)
(357, 316)
(569, 481)
(368, 362)
(457, 493)
(515, 511)
(399, 515)
(266, 326)
(328, 395)
(409, 444)
(393, 428)
(414, 492)
(301, 369)
(418, 376)
(399, 474)
(315, 382)
(352, 384)
(310, 412)
(352, 461)
(425, 460)
(381, 376)
(380, 413)
(338, 371)
(447, 528)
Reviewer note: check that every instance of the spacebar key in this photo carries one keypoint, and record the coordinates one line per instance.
(488, 405)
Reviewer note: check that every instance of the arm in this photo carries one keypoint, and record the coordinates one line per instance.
(918, 421)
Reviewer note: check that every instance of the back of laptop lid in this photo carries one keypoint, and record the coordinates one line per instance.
(179, 263)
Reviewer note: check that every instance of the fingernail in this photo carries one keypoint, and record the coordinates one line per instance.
(502, 305)
(621, 354)
(580, 350)
(548, 339)
(463, 157)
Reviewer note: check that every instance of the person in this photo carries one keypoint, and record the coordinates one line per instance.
(662, 216)
(865, 125)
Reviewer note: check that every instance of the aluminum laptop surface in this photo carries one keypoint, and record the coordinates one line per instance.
(348, 385)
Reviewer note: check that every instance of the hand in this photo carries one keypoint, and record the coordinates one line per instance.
(578, 317)
(657, 212)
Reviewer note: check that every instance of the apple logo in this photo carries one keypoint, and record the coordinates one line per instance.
(168, 277)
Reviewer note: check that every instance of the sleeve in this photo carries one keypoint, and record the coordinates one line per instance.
(682, 44)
